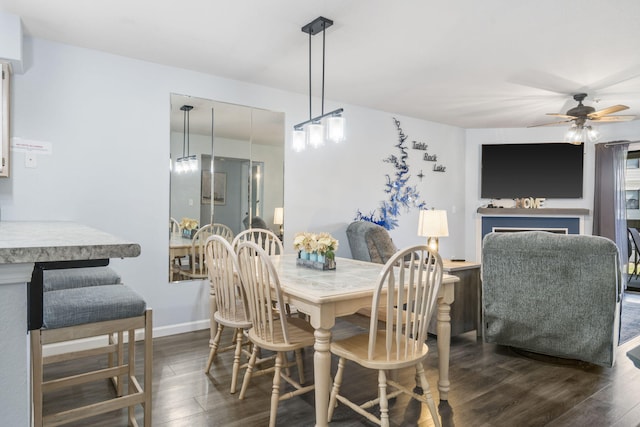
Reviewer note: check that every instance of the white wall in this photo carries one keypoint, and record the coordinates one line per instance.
(476, 137)
(107, 118)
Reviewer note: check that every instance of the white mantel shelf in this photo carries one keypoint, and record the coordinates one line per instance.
(540, 211)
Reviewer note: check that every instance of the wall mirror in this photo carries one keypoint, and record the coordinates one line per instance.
(239, 178)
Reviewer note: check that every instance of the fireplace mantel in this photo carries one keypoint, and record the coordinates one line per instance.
(539, 211)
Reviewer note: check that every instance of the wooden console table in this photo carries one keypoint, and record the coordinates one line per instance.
(465, 310)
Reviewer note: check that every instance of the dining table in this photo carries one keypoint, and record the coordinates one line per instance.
(325, 295)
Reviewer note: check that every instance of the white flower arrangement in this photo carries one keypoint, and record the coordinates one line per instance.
(322, 243)
(188, 224)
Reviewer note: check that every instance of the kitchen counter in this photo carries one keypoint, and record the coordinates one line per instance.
(22, 242)
(22, 245)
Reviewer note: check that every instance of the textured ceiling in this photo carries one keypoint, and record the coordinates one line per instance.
(468, 63)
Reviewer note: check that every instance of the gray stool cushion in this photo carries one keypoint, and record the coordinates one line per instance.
(70, 307)
(69, 278)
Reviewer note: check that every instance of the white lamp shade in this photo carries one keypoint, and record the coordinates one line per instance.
(316, 137)
(335, 128)
(278, 216)
(433, 223)
(298, 140)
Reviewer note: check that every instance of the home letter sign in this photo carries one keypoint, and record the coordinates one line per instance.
(530, 203)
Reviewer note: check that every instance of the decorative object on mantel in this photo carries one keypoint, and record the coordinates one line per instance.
(400, 193)
(312, 131)
(316, 250)
(432, 224)
(189, 227)
(530, 203)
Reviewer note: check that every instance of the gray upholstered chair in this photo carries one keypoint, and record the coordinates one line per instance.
(256, 222)
(552, 294)
(370, 242)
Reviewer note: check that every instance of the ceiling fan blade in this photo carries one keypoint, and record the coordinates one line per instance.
(551, 124)
(561, 115)
(613, 118)
(605, 111)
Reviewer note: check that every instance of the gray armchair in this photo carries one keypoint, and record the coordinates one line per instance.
(370, 242)
(552, 294)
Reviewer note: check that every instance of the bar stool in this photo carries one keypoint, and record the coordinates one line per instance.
(91, 302)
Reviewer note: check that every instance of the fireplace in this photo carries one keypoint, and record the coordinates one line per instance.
(555, 220)
(502, 224)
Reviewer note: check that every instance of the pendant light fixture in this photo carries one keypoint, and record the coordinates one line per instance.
(329, 126)
(186, 163)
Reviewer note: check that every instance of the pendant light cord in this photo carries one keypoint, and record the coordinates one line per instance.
(310, 76)
(323, 38)
(184, 131)
(188, 148)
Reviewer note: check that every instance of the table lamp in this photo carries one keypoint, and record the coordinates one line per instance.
(433, 224)
(278, 218)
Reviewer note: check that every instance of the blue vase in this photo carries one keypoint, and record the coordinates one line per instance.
(313, 256)
(321, 258)
(304, 254)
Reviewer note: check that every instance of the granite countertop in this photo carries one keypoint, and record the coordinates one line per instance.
(41, 241)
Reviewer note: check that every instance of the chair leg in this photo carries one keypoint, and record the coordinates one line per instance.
(384, 403)
(132, 372)
(299, 362)
(249, 371)
(36, 373)
(236, 360)
(275, 389)
(337, 382)
(427, 394)
(148, 367)
(214, 348)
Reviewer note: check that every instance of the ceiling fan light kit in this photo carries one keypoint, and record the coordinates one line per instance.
(326, 126)
(580, 130)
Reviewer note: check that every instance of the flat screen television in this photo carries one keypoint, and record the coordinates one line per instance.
(548, 170)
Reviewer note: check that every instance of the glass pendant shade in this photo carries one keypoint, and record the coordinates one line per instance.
(298, 140)
(335, 129)
(315, 132)
(193, 163)
(573, 135)
(593, 134)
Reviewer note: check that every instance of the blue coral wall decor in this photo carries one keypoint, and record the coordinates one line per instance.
(399, 193)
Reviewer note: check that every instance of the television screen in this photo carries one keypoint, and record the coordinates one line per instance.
(545, 170)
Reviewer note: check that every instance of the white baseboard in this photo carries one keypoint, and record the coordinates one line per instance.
(87, 343)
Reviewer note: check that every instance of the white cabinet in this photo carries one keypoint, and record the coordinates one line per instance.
(4, 123)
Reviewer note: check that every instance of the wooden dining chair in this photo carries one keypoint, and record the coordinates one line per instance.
(197, 268)
(174, 226)
(271, 331)
(222, 230)
(228, 296)
(266, 239)
(406, 292)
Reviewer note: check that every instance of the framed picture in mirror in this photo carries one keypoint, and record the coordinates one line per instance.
(219, 188)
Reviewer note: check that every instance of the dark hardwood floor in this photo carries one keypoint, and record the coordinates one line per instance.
(490, 386)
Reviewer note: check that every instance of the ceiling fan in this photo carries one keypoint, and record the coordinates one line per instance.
(581, 113)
